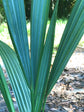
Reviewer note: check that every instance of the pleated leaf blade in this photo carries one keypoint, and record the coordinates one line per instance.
(5, 92)
(15, 13)
(73, 32)
(39, 17)
(46, 61)
(17, 78)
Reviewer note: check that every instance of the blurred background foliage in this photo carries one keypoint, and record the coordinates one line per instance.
(64, 9)
(2, 13)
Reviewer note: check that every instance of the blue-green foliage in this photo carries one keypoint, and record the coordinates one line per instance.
(30, 71)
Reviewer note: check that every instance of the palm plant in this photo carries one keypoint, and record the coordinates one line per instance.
(29, 71)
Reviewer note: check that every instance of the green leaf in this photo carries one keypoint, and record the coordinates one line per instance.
(32, 81)
(5, 92)
(39, 17)
(16, 76)
(15, 13)
(45, 62)
(71, 36)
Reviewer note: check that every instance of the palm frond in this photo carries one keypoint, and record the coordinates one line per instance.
(5, 92)
(39, 17)
(45, 62)
(15, 13)
(16, 76)
(71, 36)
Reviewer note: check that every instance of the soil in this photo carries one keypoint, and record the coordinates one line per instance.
(68, 93)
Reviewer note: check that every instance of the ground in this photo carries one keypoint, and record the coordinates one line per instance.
(68, 93)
